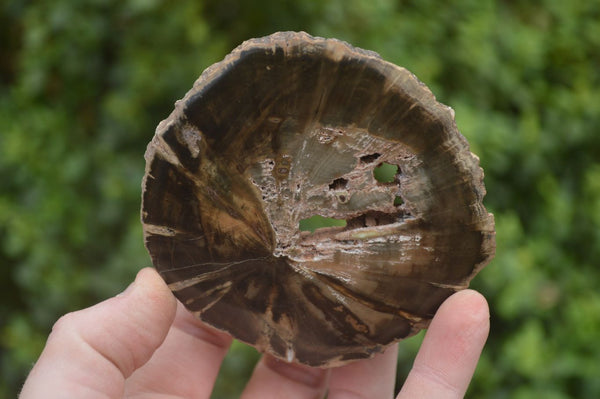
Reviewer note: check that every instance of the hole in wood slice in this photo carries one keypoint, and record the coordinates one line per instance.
(338, 184)
(385, 172)
(317, 222)
(369, 158)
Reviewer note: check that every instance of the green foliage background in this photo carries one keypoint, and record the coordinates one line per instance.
(84, 83)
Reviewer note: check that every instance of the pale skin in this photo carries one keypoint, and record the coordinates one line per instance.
(142, 344)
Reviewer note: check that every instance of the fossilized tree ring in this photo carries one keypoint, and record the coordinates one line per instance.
(287, 127)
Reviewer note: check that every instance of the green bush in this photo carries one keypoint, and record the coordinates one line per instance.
(84, 83)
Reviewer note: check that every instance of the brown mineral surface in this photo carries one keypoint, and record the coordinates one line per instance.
(291, 126)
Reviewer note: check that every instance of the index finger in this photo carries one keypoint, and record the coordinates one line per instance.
(448, 356)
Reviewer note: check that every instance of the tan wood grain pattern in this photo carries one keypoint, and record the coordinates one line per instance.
(287, 127)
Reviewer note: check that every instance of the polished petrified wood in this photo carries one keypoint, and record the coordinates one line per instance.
(287, 127)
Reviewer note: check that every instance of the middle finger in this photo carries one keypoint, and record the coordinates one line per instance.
(273, 378)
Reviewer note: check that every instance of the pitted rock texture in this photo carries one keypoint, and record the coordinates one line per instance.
(287, 127)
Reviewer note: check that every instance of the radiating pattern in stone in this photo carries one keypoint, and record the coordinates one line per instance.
(287, 127)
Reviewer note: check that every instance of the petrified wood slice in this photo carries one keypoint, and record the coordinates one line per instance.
(287, 127)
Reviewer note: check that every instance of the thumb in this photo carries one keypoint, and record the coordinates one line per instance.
(91, 352)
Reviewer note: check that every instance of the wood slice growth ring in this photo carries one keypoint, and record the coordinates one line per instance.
(287, 127)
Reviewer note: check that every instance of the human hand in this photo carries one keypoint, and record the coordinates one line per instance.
(142, 344)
